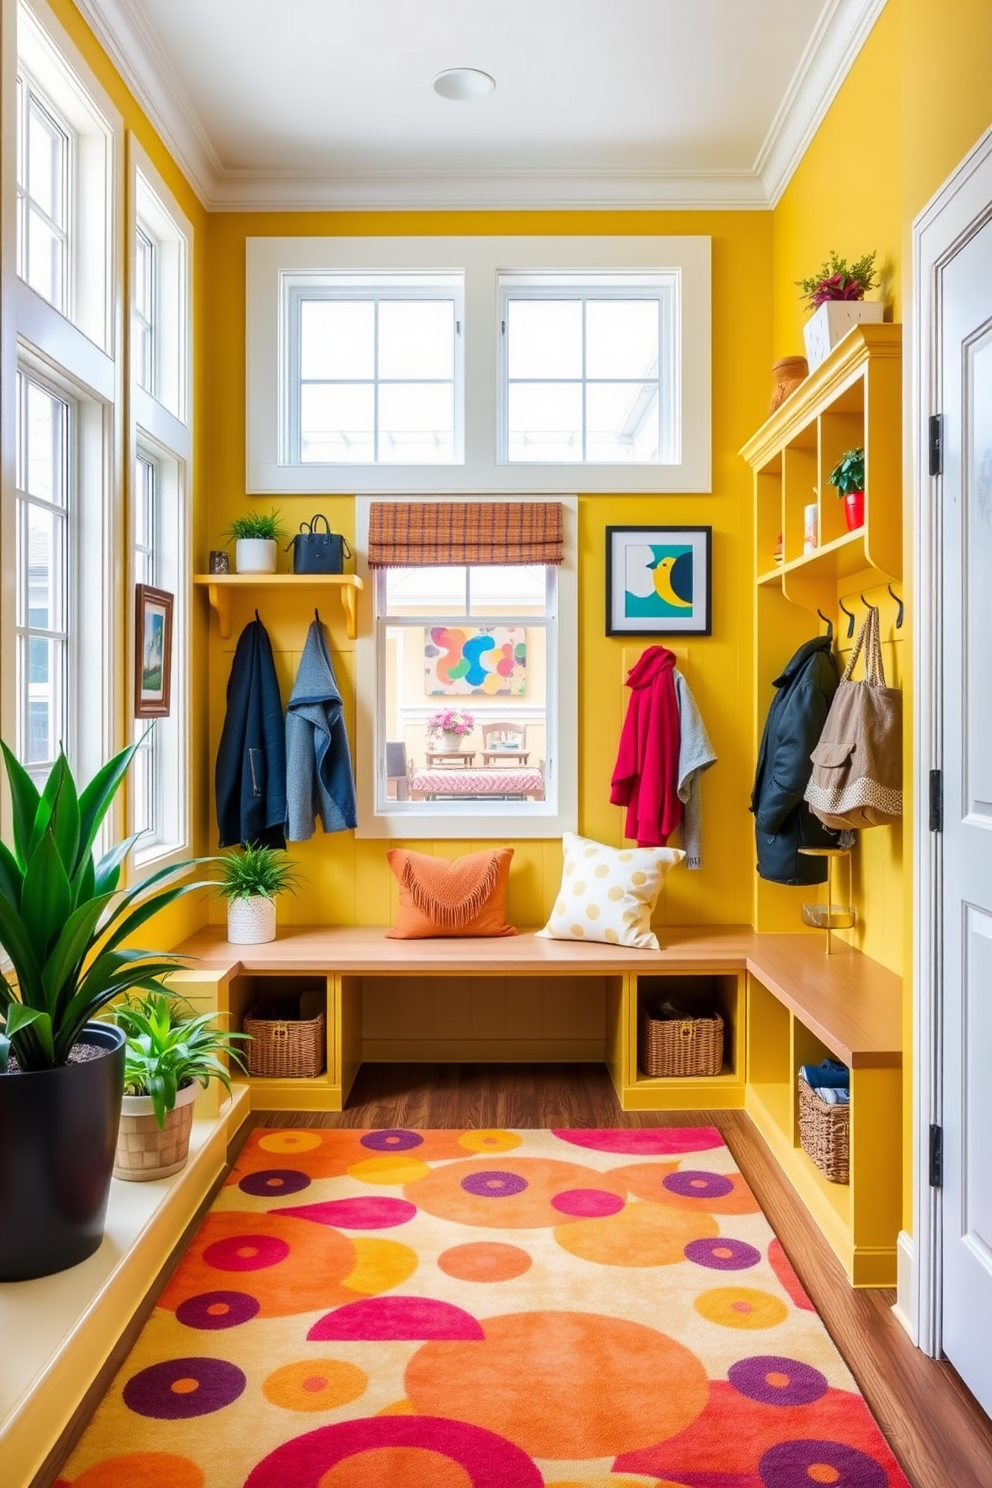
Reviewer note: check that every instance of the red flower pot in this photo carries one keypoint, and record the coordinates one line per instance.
(854, 510)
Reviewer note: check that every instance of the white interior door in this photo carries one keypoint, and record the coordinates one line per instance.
(966, 915)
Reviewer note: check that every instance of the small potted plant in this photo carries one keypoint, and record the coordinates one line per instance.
(449, 727)
(848, 475)
(251, 877)
(836, 296)
(256, 536)
(170, 1054)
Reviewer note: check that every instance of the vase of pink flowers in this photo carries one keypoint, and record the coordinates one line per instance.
(836, 296)
(448, 728)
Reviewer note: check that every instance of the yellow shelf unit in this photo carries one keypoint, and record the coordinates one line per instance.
(853, 398)
(697, 992)
(859, 1218)
(223, 590)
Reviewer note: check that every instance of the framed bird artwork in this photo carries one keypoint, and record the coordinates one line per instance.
(658, 581)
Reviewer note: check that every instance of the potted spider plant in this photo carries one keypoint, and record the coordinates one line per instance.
(69, 932)
(255, 537)
(250, 879)
(835, 295)
(848, 475)
(171, 1053)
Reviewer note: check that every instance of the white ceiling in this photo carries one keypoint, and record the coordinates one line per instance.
(617, 103)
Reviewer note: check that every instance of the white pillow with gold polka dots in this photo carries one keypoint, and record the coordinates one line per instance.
(609, 893)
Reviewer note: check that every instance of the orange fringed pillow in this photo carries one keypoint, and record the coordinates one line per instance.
(443, 896)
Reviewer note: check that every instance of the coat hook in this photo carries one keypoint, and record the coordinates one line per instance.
(828, 623)
(867, 604)
(850, 617)
(901, 610)
(258, 617)
(316, 614)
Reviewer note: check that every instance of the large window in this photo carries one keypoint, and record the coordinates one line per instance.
(161, 456)
(471, 689)
(59, 629)
(375, 370)
(489, 365)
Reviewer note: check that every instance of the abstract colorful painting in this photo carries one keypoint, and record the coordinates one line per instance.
(658, 581)
(461, 659)
(483, 1309)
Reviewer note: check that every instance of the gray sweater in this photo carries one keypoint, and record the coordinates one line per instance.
(319, 781)
(695, 755)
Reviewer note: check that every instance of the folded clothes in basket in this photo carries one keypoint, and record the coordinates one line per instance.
(833, 1095)
(830, 1073)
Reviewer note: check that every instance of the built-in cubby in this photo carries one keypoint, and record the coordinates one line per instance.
(699, 994)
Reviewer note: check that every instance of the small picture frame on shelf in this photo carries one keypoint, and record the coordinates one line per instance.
(152, 651)
(658, 581)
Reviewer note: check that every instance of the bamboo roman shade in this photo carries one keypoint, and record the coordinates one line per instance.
(419, 534)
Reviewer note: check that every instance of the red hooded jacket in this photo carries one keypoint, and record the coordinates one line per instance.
(646, 776)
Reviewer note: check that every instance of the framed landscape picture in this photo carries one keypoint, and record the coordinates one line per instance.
(152, 651)
(658, 581)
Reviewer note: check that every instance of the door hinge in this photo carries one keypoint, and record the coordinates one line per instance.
(936, 800)
(936, 1157)
(937, 444)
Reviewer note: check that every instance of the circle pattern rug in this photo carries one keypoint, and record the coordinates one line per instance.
(484, 1309)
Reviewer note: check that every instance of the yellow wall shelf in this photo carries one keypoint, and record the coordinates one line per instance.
(222, 588)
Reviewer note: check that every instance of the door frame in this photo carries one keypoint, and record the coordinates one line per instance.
(959, 210)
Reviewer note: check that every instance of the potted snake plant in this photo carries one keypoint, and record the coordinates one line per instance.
(250, 879)
(68, 930)
(171, 1053)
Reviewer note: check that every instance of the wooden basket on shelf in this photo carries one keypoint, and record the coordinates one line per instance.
(288, 1037)
(680, 1046)
(825, 1133)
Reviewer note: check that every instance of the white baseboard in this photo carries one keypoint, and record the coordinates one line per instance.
(905, 1308)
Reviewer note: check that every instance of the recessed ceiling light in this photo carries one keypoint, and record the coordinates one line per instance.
(463, 83)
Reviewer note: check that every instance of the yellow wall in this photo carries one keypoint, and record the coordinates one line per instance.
(348, 880)
(917, 99)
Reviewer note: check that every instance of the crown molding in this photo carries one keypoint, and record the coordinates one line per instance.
(123, 30)
(125, 34)
(839, 35)
(526, 189)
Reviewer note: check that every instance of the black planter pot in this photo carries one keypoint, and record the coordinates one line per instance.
(58, 1135)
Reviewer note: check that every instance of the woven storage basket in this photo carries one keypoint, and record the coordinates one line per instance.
(825, 1134)
(680, 1046)
(285, 1042)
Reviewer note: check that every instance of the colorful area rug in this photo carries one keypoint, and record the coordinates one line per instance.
(484, 1309)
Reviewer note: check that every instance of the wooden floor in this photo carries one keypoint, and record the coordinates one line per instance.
(937, 1431)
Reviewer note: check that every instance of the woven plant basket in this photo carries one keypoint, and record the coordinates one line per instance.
(143, 1150)
(285, 1048)
(680, 1046)
(825, 1134)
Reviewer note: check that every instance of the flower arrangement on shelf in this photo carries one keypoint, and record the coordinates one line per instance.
(837, 280)
(451, 721)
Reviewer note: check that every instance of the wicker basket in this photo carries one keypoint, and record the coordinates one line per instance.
(825, 1134)
(288, 1037)
(680, 1046)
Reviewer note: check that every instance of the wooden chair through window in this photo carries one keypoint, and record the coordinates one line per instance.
(504, 743)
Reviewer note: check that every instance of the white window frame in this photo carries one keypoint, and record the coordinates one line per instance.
(500, 820)
(377, 287)
(271, 262)
(30, 94)
(78, 357)
(170, 233)
(62, 80)
(165, 437)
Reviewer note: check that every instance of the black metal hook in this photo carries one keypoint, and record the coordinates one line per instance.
(828, 623)
(850, 617)
(316, 614)
(901, 610)
(868, 604)
(258, 617)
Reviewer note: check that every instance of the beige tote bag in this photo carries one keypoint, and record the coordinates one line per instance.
(857, 765)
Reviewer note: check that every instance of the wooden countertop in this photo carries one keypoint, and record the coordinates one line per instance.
(853, 1004)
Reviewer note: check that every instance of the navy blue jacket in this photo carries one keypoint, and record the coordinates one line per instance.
(251, 760)
(783, 821)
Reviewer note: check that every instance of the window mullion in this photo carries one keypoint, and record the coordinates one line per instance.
(375, 380)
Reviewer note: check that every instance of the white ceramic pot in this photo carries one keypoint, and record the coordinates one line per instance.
(448, 743)
(255, 555)
(831, 322)
(143, 1150)
(251, 921)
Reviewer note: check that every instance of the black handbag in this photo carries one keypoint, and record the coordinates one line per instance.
(316, 552)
